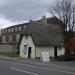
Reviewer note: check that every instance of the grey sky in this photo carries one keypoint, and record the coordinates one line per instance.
(18, 11)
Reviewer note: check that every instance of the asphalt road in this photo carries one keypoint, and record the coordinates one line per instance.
(13, 68)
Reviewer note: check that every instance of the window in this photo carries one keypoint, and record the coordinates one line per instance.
(13, 38)
(1, 39)
(8, 30)
(19, 28)
(25, 49)
(24, 26)
(1, 31)
(7, 38)
(17, 37)
(12, 29)
(16, 28)
(4, 31)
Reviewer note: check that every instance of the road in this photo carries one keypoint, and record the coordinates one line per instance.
(14, 68)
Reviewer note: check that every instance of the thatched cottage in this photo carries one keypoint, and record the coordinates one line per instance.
(40, 37)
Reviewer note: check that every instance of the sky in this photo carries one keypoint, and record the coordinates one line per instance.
(19, 11)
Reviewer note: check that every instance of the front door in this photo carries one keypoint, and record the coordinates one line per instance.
(29, 52)
(55, 52)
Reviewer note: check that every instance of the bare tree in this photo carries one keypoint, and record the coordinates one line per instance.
(65, 11)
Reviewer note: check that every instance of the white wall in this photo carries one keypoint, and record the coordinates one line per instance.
(39, 51)
(60, 51)
(29, 43)
(50, 50)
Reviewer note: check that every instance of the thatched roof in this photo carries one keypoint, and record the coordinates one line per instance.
(42, 35)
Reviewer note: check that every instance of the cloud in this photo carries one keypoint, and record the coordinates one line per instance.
(5, 23)
(20, 10)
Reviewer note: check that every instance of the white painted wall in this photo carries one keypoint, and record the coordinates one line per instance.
(29, 43)
(60, 51)
(39, 51)
(50, 50)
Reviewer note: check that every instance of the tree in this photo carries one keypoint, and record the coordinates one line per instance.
(65, 11)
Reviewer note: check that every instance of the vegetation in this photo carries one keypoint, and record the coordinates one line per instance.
(10, 54)
(65, 11)
(62, 58)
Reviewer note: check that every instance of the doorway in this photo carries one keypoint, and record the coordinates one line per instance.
(29, 52)
(55, 52)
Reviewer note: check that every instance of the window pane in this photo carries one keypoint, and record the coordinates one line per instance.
(7, 38)
(25, 49)
(13, 38)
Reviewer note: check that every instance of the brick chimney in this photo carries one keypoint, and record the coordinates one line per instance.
(44, 20)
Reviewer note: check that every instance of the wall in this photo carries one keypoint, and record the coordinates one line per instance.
(50, 50)
(39, 51)
(6, 48)
(29, 43)
(60, 51)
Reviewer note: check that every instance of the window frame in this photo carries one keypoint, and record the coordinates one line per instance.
(25, 49)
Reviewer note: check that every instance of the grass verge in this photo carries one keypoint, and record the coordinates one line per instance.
(10, 54)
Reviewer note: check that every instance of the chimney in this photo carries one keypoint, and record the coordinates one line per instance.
(30, 21)
(44, 20)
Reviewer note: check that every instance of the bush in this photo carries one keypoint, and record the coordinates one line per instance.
(62, 58)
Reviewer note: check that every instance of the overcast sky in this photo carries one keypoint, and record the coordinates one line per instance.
(20, 11)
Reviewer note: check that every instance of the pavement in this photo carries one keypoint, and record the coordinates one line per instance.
(34, 67)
